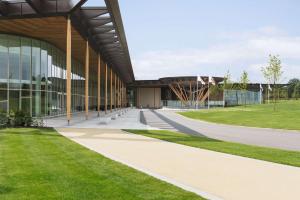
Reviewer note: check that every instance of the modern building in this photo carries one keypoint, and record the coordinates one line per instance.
(59, 57)
(175, 92)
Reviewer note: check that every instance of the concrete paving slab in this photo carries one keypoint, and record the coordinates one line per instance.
(128, 120)
(211, 174)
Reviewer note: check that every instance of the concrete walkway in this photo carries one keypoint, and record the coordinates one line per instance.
(128, 120)
(211, 174)
(282, 139)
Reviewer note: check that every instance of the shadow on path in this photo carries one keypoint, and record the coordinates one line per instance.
(175, 125)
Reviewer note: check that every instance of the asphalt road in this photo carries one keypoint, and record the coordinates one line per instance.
(282, 139)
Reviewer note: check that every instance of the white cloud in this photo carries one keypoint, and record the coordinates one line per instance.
(244, 51)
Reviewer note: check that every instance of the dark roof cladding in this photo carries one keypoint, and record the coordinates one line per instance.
(168, 80)
(102, 26)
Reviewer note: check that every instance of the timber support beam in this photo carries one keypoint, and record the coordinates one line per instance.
(99, 85)
(105, 88)
(69, 68)
(115, 91)
(87, 59)
(111, 89)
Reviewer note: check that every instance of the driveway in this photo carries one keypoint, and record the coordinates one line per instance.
(282, 139)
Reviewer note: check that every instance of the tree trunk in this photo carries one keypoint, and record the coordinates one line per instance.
(274, 96)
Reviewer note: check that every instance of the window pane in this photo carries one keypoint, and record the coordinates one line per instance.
(3, 100)
(25, 63)
(36, 78)
(26, 101)
(14, 62)
(44, 62)
(14, 97)
(3, 62)
(36, 65)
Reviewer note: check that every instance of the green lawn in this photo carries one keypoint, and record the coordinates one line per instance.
(287, 115)
(269, 154)
(41, 164)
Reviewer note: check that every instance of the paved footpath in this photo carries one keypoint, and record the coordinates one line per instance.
(282, 139)
(211, 174)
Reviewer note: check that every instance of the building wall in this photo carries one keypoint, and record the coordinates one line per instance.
(149, 97)
(33, 78)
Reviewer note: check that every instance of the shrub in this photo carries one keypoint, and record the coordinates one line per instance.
(20, 118)
(3, 119)
(37, 122)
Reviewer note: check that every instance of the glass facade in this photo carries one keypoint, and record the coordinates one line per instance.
(33, 78)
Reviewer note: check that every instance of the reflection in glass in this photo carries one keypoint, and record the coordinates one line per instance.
(33, 78)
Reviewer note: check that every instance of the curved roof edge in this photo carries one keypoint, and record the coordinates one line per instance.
(114, 9)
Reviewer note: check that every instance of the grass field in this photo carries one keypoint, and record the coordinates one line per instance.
(287, 115)
(41, 164)
(261, 153)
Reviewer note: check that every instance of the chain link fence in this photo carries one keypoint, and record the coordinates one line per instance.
(239, 97)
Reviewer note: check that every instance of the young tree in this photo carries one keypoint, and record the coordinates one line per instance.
(227, 81)
(244, 84)
(272, 73)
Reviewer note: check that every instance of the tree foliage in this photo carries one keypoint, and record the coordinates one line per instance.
(228, 84)
(244, 84)
(272, 73)
(244, 81)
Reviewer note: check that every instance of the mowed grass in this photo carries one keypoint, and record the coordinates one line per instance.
(41, 164)
(261, 153)
(286, 116)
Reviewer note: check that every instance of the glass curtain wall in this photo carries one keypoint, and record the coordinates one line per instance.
(33, 78)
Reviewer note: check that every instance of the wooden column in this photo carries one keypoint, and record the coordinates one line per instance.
(111, 90)
(69, 68)
(125, 96)
(105, 96)
(115, 91)
(87, 59)
(99, 85)
(126, 99)
(138, 98)
(122, 94)
(119, 93)
(122, 100)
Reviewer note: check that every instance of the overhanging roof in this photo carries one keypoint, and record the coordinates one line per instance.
(164, 82)
(102, 26)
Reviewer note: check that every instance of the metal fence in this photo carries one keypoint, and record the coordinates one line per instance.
(239, 97)
(231, 98)
(176, 104)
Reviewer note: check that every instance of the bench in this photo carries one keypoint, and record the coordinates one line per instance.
(114, 116)
(104, 120)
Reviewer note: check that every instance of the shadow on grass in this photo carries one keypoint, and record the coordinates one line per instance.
(30, 131)
(180, 137)
(5, 189)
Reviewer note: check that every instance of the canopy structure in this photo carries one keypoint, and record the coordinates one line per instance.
(188, 89)
(102, 27)
(166, 81)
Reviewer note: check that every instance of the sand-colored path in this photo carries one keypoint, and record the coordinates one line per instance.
(211, 174)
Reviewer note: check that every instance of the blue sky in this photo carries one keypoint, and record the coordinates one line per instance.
(210, 37)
